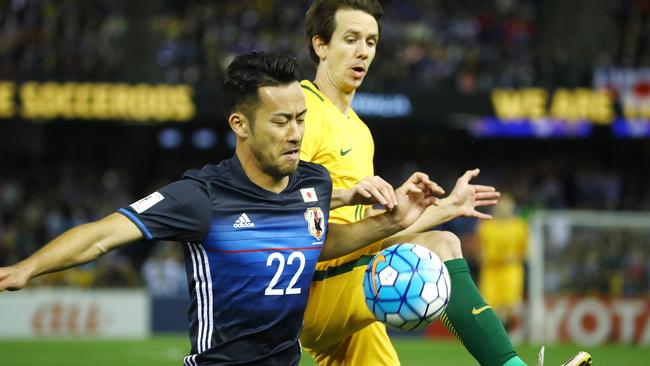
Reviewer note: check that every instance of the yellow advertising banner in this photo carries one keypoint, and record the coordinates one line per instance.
(96, 101)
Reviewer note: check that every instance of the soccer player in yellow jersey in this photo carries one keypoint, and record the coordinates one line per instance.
(338, 327)
(504, 241)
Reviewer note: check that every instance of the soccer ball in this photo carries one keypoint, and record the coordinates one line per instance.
(406, 286)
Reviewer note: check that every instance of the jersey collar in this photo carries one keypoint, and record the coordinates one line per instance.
(311, 87)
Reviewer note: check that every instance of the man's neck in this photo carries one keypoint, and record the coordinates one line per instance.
(254, 172)
(341, 99)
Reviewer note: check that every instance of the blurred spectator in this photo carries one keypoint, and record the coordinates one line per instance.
(504, 244)
(632, 43)
(116, 270)
(164, 271)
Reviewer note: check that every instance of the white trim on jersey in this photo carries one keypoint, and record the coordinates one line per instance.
(204, 298)
(199, 299)
(210, 307)
(190, 360)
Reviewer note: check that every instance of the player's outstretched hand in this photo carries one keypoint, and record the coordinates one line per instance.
(467, 197)
(419, 182)
(371, 190)
(12, 278)
(413, 197)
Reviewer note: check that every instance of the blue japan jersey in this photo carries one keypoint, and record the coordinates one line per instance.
(250, 257)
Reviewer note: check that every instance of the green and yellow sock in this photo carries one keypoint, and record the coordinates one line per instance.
(474, 322)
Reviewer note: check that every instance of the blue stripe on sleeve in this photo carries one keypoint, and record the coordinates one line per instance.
(137, 222)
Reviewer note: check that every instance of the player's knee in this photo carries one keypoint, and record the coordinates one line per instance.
(444, 243)
(451, 244)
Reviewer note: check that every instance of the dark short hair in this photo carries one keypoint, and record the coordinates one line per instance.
(320, 18)
(250, 71)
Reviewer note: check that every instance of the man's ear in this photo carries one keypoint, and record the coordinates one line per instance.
(240, 125)
(320, 47)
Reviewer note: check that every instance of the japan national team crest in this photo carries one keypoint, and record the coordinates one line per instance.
(315, 222)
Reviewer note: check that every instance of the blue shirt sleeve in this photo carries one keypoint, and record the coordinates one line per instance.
(180, 211)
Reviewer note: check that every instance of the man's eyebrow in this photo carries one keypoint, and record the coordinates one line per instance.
(358, 33)
(289, 115)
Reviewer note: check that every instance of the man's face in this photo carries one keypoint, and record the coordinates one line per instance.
(351, 49)
(276, 133)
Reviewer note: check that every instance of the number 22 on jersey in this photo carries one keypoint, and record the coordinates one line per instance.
(271, 290)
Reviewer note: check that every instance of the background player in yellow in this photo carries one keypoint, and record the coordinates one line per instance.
(338, 328)
(503, 241)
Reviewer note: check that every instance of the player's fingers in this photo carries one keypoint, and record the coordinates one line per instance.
(418, 177)
(366, 183)
(5, 276)
(377, 184)
(387, 189)
(364, 192)
(390, 202)
(430, 201)
(379, 197)
(482, 188)
(435, 189)
(469, 175)
(387, 192)
(412, 188)
(6, 284)
(485, 203)
(422, 178)
(487, 195)
(481, 215)
(431, 188)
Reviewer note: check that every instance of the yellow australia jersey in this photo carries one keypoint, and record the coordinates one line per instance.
(341, 143)
(503, 241)
(339, 329)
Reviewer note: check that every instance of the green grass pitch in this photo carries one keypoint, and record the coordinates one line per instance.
(169, 350)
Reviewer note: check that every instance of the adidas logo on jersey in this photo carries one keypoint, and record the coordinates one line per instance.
(243, 221)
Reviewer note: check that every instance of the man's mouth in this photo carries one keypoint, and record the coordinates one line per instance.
(359, 71)
(292, 154)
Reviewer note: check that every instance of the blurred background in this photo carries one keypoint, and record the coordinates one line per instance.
(101, 102)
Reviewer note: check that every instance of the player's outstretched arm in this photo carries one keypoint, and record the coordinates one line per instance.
(413, 197)
(368, 191)
(76, 246)
(462, 201)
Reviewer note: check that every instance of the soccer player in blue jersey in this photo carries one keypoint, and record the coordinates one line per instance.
(252, 226)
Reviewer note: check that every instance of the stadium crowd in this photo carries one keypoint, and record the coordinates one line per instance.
(443, 45)
(614, 262)
(446, 45)
(63, 40)
(466, 46)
